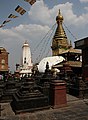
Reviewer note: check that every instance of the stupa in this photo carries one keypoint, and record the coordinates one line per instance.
(61, 46)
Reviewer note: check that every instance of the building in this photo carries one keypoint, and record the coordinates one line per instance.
(83, 44)
(4, 68)
(26, 66)
(61, 46)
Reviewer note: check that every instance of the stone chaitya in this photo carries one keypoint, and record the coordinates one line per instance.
(45, 80)
(2, 85)
(47, 76)
(29, 98)
(8, 90)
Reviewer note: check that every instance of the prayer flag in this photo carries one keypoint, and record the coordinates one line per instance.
(30, 1)
(6, 21)
(12, 16)
(2, 26)
(20, 10)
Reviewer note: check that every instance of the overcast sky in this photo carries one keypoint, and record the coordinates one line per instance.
(37, 22)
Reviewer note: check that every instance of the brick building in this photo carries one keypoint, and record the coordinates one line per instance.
(3, 61)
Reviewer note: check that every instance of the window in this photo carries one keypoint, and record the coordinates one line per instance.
(3, 61)
(3, 66)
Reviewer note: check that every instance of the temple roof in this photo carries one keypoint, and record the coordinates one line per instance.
(74, 63)
(72, 50)
(71, 64)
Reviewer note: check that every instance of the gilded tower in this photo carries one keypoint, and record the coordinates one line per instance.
(60, 42)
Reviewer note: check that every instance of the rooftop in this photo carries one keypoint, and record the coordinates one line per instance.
(72, 50)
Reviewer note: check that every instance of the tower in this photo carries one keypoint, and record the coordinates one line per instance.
(26, 59)
(60, 42)
(26, 55)
(3, 60)
(62, 47)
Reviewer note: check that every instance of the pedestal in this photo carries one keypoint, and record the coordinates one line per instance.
(58, 94)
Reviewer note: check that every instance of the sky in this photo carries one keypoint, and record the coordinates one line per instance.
(37, 26)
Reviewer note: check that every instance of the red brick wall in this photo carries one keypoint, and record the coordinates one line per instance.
(4, 60)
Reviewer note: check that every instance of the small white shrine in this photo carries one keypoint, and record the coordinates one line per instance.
(27, 65)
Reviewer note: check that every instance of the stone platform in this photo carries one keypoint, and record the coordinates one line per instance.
(76, 109)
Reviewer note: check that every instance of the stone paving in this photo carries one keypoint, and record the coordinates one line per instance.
(76, 109)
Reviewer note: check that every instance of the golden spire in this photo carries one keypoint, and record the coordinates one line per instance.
(60, 33)
(60, 42)
(59, 18)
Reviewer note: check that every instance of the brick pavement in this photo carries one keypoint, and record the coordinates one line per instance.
(76, 109)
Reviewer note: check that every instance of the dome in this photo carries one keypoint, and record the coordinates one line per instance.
(51, 60)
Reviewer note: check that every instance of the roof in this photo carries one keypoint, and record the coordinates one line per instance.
(72, 50)
(25, 44)
(3, 50)
(5, 70)
(82, 43)
(74, 63)
(71, 64)
(25, 71)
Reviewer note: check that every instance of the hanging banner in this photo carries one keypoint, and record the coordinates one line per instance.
(2, 26)
(30, 1)
(20, 10)
(6, 21)
(12, 16)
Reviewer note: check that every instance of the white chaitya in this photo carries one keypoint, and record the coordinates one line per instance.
(51, 60)
(27, 64)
